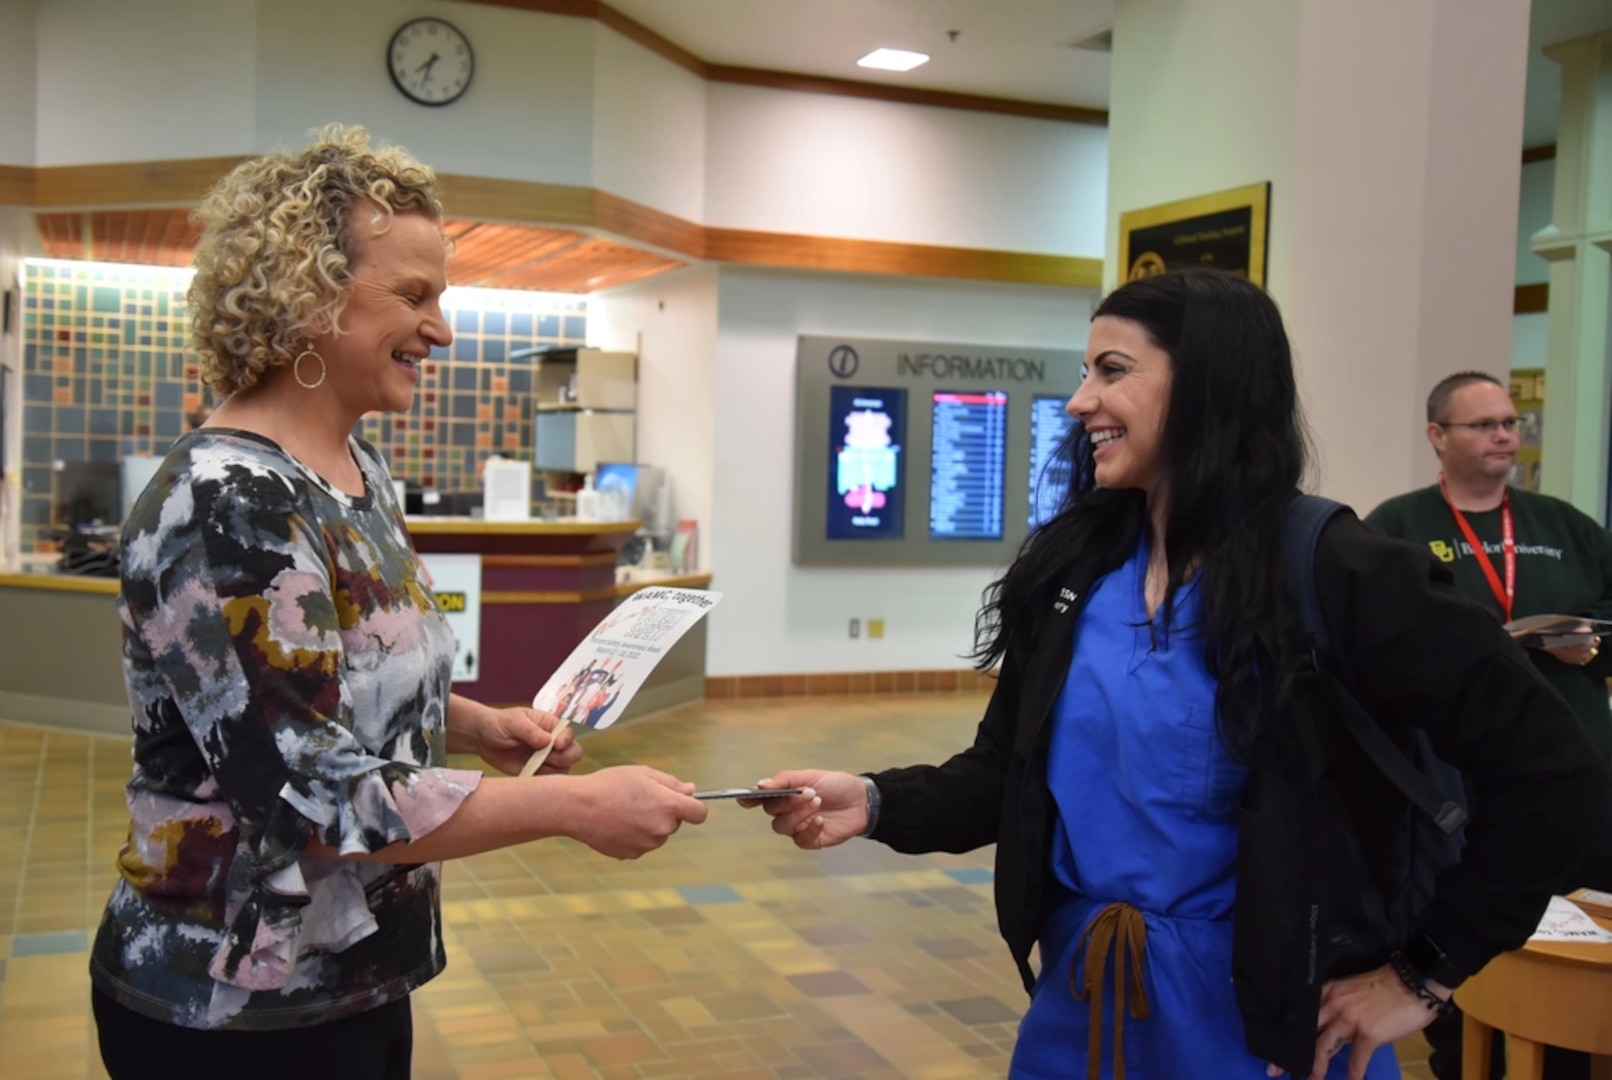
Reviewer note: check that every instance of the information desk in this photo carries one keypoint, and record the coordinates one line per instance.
(544, 586)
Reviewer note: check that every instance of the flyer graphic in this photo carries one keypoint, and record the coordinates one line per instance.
(602, 674)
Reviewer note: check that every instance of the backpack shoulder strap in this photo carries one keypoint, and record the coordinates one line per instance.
(1306, 517)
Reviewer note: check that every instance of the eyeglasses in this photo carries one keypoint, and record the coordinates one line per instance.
(1488, 427)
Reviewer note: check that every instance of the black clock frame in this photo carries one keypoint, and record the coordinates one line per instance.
(391, 71)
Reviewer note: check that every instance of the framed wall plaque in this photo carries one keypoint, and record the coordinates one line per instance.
(1226, 230)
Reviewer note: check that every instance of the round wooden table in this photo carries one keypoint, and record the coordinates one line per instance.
(1543, 994)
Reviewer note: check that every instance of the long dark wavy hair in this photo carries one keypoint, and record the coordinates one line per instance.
(1233, 453)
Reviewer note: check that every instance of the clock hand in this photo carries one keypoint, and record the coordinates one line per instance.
(426, 67)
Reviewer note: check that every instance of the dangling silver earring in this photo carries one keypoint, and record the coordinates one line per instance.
(296, 370)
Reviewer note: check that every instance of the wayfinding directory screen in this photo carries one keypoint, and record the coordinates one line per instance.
(1049, 425)
(968, 457)
(868, 427)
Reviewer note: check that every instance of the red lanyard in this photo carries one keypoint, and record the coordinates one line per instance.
(1508, 544)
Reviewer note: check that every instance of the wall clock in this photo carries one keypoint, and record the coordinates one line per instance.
(430, 61)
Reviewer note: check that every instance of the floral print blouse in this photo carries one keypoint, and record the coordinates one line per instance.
(288, 672)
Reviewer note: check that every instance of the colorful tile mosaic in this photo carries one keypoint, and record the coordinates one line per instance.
(107, 373)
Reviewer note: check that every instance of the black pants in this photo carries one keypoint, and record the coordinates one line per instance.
(375, 1045)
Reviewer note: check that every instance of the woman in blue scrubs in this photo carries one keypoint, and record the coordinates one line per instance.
(1149, 649)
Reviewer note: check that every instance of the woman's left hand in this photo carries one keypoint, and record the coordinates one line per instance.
(505, 738)
(1365, 1013)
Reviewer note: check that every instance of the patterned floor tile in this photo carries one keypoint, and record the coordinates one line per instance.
(726, 954)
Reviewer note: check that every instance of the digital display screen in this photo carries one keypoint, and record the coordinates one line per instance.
(1049, 426)
(968, 459)
(867, 429)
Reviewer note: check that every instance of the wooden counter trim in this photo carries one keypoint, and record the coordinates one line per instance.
(598, 558)
(16, 185)
(827, 684)
(648, 225)
(145, 183)
(60, 583)
(482, 527)
(516, 200)
(583, 596)
(679, 581)
(914, 260)
(905, 95)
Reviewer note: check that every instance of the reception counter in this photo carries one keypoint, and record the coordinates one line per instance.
(544, 585)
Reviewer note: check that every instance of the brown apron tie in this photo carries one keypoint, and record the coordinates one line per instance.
(1116, 928)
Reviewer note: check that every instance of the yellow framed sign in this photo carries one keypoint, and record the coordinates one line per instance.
(1226, 230)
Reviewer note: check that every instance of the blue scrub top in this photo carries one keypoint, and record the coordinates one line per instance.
(1147, 801)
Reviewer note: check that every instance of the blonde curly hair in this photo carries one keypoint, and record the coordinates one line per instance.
(273, 262)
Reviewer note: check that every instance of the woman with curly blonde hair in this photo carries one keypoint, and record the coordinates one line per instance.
(289, 671)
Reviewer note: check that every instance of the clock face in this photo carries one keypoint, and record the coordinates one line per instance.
(430, 61)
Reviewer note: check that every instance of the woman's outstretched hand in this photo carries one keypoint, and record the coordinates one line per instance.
(832, 809)
(1365, 1013)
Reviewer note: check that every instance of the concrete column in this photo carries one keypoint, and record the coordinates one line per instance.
(1390, 131)
(1578, 245)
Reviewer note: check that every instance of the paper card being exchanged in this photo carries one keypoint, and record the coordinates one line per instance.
(595, 683)
(1553, 631)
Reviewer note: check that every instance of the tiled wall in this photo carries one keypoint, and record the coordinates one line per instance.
(107, 373)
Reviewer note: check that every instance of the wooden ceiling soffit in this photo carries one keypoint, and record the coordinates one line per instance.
(636, 31)
(505, 256)
(163, 237)
(547, 223)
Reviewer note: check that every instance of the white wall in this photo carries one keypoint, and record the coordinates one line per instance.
(1201, 100)
(19, 240)
(121, 81)
(526, 116)
(17, 80)
(1538, 192)
(671, 322)
(780, 618)
(875, 170)
(1405, 222)
(1534, 213)
(648, 127)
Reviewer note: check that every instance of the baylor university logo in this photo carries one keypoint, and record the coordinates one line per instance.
(1444, 552)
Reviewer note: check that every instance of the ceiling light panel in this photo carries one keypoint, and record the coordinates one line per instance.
(893, 59)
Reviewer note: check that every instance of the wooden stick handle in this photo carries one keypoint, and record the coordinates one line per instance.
(535, 762)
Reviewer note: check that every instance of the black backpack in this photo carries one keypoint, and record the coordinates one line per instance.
(1406, 858)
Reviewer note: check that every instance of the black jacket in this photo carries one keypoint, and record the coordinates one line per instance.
(1417, 653)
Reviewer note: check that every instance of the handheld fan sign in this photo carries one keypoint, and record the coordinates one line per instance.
(603, 673)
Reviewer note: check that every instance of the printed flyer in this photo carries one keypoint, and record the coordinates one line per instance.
(603, 673)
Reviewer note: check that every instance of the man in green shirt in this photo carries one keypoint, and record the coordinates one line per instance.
(1560, 563)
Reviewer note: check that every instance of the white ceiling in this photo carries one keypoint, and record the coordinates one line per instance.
(1005, 48)
(1552, 22)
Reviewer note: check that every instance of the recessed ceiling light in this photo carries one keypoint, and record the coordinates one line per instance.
(893, 60)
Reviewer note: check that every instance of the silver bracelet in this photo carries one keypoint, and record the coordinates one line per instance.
(873, 804)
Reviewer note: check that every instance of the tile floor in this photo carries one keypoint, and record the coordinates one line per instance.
(726, 954)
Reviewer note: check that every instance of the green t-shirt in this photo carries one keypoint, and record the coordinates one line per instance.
(1564, 567)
